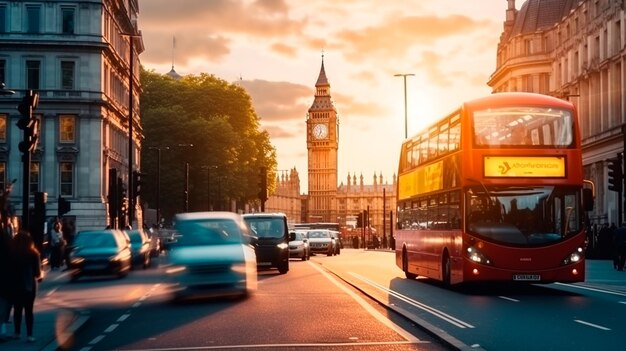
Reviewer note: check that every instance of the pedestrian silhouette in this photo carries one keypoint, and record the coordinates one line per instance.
(27, 274)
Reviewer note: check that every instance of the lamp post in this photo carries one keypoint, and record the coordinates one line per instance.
(208, 185)
(158, 181)
(404, 75)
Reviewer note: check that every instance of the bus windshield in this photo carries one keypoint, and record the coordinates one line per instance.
(523, 215)
(524, 125)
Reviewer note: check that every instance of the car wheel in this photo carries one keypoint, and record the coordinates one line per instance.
(283, 268)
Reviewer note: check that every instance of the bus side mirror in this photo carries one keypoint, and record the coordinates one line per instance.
(588, 199)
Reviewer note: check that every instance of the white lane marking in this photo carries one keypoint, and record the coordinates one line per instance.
(406, 335)
(275, 346)
(591, 324)
(111, 328)
(435, 312)
(96, 340)
(51, 292)
(606, 291)
(136, 304)
(623, 302)
(87, 348)
(508, 298)
(123, 317)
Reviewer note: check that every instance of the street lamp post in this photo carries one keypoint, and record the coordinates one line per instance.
(208, 186)
(404, 75)
(158, 181)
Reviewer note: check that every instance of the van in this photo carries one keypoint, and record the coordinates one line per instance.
(272, 244)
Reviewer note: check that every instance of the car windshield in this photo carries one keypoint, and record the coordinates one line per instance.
(85, 240)
(319, 234)
(523, 215)
(207, 232)
(267, 227)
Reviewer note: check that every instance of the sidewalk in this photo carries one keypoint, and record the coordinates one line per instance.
(54, 324)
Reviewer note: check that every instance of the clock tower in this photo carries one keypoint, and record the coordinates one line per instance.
(322, 144)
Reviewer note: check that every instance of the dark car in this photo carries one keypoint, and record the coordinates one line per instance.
(272, 247)
(100, 252)
(140, 247)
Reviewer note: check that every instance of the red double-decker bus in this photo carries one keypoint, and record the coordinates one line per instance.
(495, 192)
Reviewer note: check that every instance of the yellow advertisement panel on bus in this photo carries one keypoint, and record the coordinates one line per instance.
(421, 181)
(551, 167)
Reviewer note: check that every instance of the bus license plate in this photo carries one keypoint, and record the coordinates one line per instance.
(527, 277)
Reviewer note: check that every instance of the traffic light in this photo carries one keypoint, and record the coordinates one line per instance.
(359, 220)
(615, 173)
(28, 123)
(64, 206)
(112, 196)
(263, 184)
(137, 183)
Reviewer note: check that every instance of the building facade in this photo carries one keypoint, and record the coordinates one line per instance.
(286, 198)
(378, 198)
(575, 50)
(77, 56)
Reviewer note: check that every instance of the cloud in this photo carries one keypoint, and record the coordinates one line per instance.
(278, 101)
(284, 50)
(396, 36)
(207, 29)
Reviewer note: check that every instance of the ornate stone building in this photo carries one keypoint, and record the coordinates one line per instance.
(77, 56)
(575, 50)
(379, 198)
(286, 198)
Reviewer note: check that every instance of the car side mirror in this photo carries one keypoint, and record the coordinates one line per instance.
(292, 236)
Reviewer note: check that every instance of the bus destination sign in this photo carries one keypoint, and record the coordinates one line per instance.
(498, 166)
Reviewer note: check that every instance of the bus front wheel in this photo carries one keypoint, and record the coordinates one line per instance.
(445, 266)
(405, 266)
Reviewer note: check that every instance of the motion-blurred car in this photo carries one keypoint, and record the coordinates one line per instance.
(100, 252)
(321, 241)
(272, 232)
(140, 247)
(211, 255)
(299, 244)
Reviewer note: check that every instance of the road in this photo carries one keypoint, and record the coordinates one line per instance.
(305, 308)
(358, 300)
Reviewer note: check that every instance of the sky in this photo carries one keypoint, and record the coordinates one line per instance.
(274, 49)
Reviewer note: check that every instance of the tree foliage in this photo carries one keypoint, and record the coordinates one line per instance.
(229, 148)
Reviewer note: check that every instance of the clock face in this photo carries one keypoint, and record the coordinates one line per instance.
(320, 131)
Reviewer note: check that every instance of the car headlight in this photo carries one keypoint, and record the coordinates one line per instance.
(476, 256)
(239, 268)
(282, 246)
(574, 257)
(175, 269)
(76, 260)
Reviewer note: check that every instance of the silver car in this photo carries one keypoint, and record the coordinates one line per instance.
(211, 255)
(299, 244)
(322, 241)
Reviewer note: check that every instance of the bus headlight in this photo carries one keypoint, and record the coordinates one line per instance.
(575, 256)
(476, 256)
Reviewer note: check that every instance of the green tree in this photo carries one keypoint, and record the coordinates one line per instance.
(218, 118)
